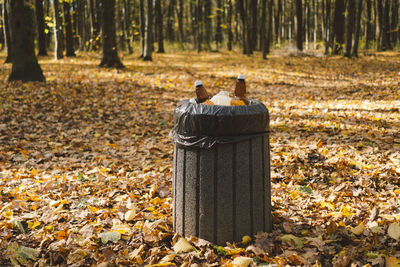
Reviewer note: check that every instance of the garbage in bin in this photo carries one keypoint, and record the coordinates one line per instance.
(221, 171)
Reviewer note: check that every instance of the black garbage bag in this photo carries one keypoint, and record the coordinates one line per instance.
(204, 126)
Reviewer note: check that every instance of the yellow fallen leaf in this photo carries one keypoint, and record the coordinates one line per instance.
(33, 224)
(242, 261)
(394, 231)
(92, 209)
(246, 240)
(130, 215)
(358, 229)
(182, 246)
(34, 172)
(347, 210)
(167, 259)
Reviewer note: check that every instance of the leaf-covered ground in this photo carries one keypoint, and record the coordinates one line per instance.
(85, 161)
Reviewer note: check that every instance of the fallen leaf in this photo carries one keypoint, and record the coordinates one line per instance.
(112, 236)
(394, 230)
(242, 261)
(182, 246)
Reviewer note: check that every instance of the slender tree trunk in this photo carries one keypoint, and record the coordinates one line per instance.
(315, 8)
(110, 51)
(262, 26)
(351, 6)
(299, 25)
(199, 15)
(254, 20)
(218, 29)
(142, 27)
(148, 32)
(305, 22)
(278, 21)
(127, 23)
(249, 31)
(243, 15)
(368, 25)
(386, 26)
(229, 19)
(7, 33)
(328, 33)
(268, 35)
(58, 31)
(159, 25)
(171, 20)
(25, 66)
(208, 23)
(358, 28)
(68, 30)
(2, 41)
(380, 20)
(180, 23)
(394, 23)
(338, 28)
(40, 28)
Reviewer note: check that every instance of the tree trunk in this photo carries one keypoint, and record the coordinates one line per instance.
(7, 34)
(386, 26)
(253, 28)
(180, 23)
(142, 27)
(394, 23)
(368, 25)
(305, 22)
(379, 5)
(110, 51)
(262, 26)
(351, 6)
(2, 42)
(299, 25)
(218, 29)
(315, 8)
(242, 12)
(358, 28)
(199, 15)
(249, 32)
(338, 29)
(278, 21)
(40, 28)
(230, 34)
(159, 25)
(171, 20)
(208, 23)
(149, 32)
(58, 31)
(127, 23)
(268, 36)
(69, 39)
(25, 66)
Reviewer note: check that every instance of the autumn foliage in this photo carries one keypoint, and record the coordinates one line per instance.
(85, 161)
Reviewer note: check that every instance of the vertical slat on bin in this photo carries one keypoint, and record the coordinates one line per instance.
(174, 188)
(179, 189)
(266, 163)
(243, 192)
(225, 220)
(206, 192)
(258, 190)
(191, 192)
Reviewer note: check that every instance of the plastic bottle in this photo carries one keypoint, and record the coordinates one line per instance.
(222, 99)
(201, 94)
(240, 98)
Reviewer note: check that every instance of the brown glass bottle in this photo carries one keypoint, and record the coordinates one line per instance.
(240, 98)
(201, 94)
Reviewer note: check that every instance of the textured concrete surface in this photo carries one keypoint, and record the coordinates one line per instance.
(222, 194)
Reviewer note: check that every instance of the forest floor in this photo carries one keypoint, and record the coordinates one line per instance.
(86, 158)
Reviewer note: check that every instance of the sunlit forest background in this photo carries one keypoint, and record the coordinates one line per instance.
(88, 90)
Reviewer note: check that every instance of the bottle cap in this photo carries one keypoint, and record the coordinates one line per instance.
(197, 83)
(241, 77)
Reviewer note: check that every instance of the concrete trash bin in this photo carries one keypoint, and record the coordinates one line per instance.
(221, 171)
